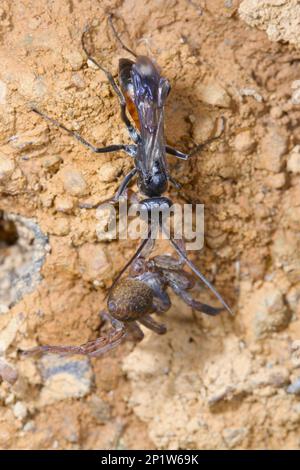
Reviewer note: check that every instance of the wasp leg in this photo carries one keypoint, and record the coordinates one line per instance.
(115, 336)
(175, 182)
(178, 185)
(131, 129)
(151, 324)
(143, 246)
(116, 197)
(177, 153)
(123, 186)
(198, 148)
(129, 149)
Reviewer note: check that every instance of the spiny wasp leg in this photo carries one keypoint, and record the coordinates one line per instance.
(123, 186)
(131, 129)
(129, 149)
(115, 199)
(185, 156)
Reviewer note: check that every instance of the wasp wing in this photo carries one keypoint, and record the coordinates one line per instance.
(148, 93)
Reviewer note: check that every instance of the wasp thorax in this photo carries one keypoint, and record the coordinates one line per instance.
(130, 300)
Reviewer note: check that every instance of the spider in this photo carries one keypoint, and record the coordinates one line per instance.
(132, 301)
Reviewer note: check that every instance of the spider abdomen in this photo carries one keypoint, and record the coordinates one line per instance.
(130, 300)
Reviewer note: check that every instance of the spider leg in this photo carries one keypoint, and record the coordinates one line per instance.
(161, 301)
(151, 324)
(188, 299)
(167, 262)
(129, 149)
(134, 331)
(191, 265)
(156, 281)
(180, 278)
(115, 336)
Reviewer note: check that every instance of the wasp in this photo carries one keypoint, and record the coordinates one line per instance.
(143, 92)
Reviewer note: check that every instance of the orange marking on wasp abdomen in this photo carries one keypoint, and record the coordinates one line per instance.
(132, 110)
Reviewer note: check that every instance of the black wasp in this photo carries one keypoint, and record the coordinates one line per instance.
(143, 93)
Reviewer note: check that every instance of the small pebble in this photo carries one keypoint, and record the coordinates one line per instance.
(7, 372)
(7, 167)
(29, 426)
(20, 410)
(74, 182)
(296, 93)
(100, 409)
(268, 310)
(52, 163)
(214, 94)
(2, 92)
(295, 353)
(91, 65)
(60, 227)
(294, 388)
(244, 142)
(276, 112)
(293, 163)
(234, 436)
(75, 59)
(275, 181)
(64, 204)
(64, 377)
(108, 172)
(251, 92)
(273, 147)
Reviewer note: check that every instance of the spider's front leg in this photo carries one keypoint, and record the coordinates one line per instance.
(179, 283)
(153, 325)
(115, 335)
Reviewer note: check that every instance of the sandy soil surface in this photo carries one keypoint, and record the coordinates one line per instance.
(218, 383)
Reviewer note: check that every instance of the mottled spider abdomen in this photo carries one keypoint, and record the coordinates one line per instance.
(130, 300)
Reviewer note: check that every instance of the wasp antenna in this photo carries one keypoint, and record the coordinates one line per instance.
(200, 275)
(107, 73)
(110, 17)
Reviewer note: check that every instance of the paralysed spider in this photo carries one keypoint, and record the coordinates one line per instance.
(133, 300)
